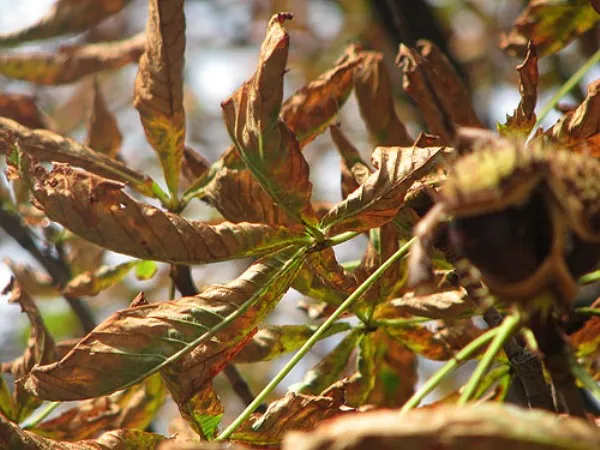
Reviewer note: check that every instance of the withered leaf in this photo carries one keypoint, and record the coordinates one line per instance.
(486, 426)
(292, 412)
(550, 24)
(22, 109)
(380, 198)
(71, 63)
(65, 17)
(103, 134)
(92, 283)
(13, 437)
(523, 119)
(309, 110)
(275, 340)
(193, 166)
(441, 305)
(159, 86)
(39, 284)
(448, 87)
(354, 170)
(136, 342)
(99, 211)
(376, 101)
(587, 339)
(326, 266)
(203, 411)
(45, 145)
(265, 144)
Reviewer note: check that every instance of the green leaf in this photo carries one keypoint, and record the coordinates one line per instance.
(144, 270)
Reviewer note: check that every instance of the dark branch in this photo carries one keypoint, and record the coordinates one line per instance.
(56, 268)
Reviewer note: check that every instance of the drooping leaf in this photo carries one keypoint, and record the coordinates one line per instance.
(71, 63)
(159, 86)
(448, 87)
(275, 340)
(103, 134)
(92, 283)
(265, 144)
(376, 101)
(379, 199)
(22, 109)
(440, 305)
(488, 426)
(136, 342)
(13, 437)
(45, 145)
(580, 129)
(523, 119)
(354, 170)
(308, 112)
(550, 24)
(133, 408)
(65, 17)
(98, 210)
(292, 412)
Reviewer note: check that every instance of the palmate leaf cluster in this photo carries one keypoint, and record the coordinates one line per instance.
(121, 371)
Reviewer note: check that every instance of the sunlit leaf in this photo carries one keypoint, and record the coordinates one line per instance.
(203, 411)
(103, 134)
(379, 199)
(144, 270)
(159, 86)
(266, 146)
(449, 88)
(98, 210)
(275, 340)
(440, 305)
(523, 119)
(92, 283)
(136, 342)
(22, 109)
(71, 63)
(550, 24)
(292, 412)
(486, 426)
(65, 17)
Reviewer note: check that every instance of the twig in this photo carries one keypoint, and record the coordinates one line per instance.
(56, 268)
(182, 278)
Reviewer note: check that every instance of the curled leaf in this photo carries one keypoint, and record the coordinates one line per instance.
(65, 17)
(159, 86)
(380, 198)
(484, 426)
(354, 170)
(99, 211)
(103, 134)
(203, 411)
(441, 305)
(71, 63)
(194, 165)
(135, 343)
(550, 24)
(92, 283)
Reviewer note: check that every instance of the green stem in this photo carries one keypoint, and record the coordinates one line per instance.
(586, 311)
(160, 194)
(342, 237)
(462, 356)
(351, 265)
(505, 330)
(41, 417)
(589, 277)
(583, 376)
(566, 88)
(400, 253)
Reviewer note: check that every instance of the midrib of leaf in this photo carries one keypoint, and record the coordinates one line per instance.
(289, 265)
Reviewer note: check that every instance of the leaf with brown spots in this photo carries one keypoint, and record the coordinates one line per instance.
(373, 89)
(308, 112)
(190, 339)
(379, 199)
(550, 24)
(103, 134)
(292, 412)
(484, 426)
(523, 119)
(65, 17)
(159, 86)
(22, 109)
(71, 63)
(265, 144)
(449, 89)
(98, 210)
(203, 411)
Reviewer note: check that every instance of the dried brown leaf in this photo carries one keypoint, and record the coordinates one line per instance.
(587, 339)
(379, 199)
(448, 87)
(193, 166)
(550, 24)
(292, 412)
(99, 211)
(441, 305)
(39, 284)
(205, 331)
(71, 63)
(489, 426)
(103, 134)
(92, 283)
(159, 86)
(203, 411)
(22, 109)
(65, 17)
(354, 170)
